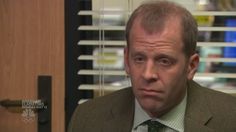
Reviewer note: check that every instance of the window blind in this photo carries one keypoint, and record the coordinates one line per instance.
(217, 68)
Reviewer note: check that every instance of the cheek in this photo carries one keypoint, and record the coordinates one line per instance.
(174, 85)
(174, 77)
(135, 76)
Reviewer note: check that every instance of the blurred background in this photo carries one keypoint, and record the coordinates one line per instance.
(103, 37)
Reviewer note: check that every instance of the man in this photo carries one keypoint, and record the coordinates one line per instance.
(161, 61)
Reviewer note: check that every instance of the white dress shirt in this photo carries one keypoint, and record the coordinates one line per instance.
(174, 119)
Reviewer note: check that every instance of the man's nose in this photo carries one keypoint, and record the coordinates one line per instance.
(150, 72)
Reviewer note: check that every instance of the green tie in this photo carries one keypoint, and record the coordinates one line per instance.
(154, 126)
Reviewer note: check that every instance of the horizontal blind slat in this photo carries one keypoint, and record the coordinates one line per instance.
(218, 59)
(216, 44)
(214, 13)
(93, 57)
(106, 43)
(114, 88)
(195, 13)
(122, 28)
(216, 75)
(217, 28)
(123, 43)
(104, 72)
(89, 28)
(96, 87)
(122, 73)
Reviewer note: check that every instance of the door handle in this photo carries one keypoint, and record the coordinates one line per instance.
(33, 104)
(11, 103)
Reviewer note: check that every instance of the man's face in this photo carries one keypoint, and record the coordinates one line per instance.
(158, 67)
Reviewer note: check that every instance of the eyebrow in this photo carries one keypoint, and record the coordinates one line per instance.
(158, 55)
(164, 56)
(138, 53)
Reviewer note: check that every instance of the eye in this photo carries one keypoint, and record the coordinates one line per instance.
(139, 59)
(164, 61)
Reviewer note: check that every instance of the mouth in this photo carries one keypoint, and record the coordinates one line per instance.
(150, 92)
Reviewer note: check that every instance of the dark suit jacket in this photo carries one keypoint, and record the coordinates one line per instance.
(206, 111)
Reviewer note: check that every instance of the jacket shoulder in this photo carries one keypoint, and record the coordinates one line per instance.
(104, 102)
(222, 106)
(97, 110)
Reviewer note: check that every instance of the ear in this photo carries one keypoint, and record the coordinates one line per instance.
(126, 60)
(192, 66)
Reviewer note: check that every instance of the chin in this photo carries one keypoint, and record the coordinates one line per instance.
(150, 105)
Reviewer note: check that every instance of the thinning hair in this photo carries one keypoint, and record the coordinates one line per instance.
(155, 14)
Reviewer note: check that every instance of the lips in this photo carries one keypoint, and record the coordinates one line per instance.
(150, 92)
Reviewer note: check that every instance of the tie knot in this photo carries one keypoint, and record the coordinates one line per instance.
(154, 126)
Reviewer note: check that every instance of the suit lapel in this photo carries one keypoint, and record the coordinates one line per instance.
(197, 111)
(121, 116)
(193, 126)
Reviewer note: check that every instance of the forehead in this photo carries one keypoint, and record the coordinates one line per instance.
(157, 25)
(169, 35)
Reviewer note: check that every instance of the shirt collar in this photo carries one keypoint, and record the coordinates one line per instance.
(173, 119)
